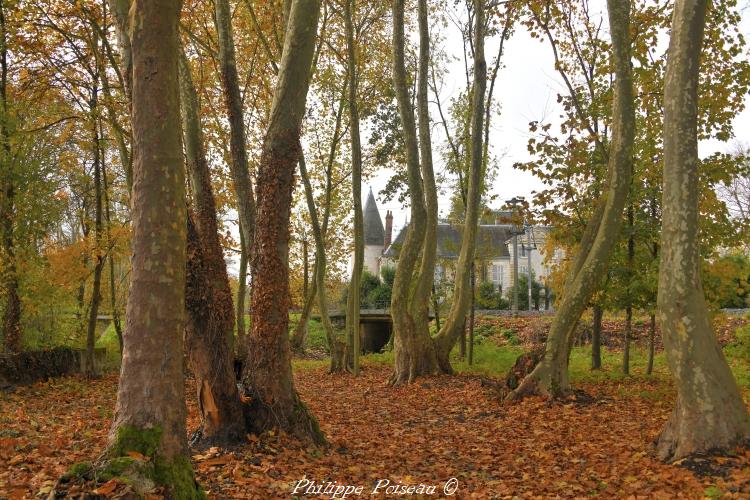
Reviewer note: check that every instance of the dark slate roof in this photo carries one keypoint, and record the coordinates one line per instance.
(491, 241)
(374, 230)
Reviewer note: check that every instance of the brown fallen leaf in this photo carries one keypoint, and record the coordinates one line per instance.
(107, 488)
(138, 456)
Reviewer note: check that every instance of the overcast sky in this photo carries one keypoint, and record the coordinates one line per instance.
(526, 89)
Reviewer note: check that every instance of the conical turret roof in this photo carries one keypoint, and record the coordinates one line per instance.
(374, 230)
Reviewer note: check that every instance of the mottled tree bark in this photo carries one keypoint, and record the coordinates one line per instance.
(268, 370)
(210, 311)
(150, 412)
(462, 294)
(414, 351)
(710, 413)
(550, 376)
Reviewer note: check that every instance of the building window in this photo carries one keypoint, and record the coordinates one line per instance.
(524, 270)
(439, 273)
(497, 273)
(523, 250)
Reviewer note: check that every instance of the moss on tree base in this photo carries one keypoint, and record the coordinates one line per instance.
(133, 459)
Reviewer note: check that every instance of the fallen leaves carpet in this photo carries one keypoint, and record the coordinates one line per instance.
(428, 432)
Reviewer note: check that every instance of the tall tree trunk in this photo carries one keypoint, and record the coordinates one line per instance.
(709, 413)
(596, 338)
(355, 288)
(335, 344)
(425, 277)
(89, 369)
(651, 339)
(550, 376)
(12, 313)
(233, 101)
(629, 308)
(449, 334)
(150, 412)
(116, 321)
(436, 307)
(210, 311)
(240, 304)
(268, 370)
(626, 341)
(299, 337)
(470, 351)
(414, 351)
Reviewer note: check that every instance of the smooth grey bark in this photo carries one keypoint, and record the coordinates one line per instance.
(454, 323)
(268, 371)
(150, 412)
(355, 288)
(709, 413)
(550, 376)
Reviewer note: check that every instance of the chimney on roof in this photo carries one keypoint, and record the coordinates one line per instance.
(388, 229)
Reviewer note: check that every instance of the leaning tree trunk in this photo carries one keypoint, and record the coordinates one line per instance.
(298, 338)
(355, 289)
(268, 369)
(550, 376)
(210, 311)
(233, 100)
(462, 293)
(336, 345)
(414, 351)
(710, 413)
(150, 412)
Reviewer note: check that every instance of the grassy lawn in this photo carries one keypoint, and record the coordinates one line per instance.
(493, 360)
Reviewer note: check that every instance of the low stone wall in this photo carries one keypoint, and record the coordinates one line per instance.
(33, 366)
